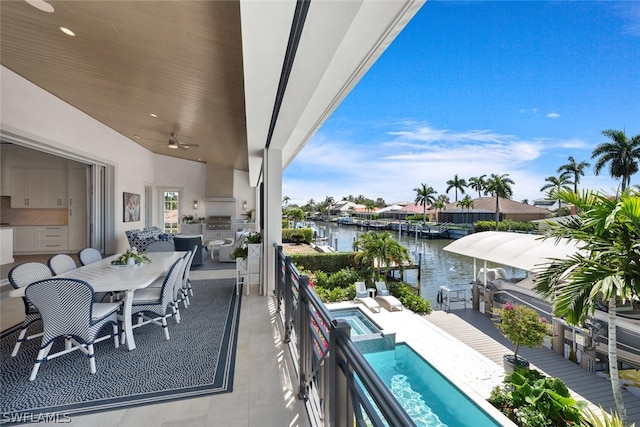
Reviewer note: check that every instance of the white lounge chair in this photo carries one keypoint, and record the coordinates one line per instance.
(387, 300)
(362, 296)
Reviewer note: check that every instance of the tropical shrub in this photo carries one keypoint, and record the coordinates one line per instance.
(288, 233)
(335, 294)
(528, 398)
(506, 225)
(327, 262)
(591, 419)
(409, 299)
(340, 279)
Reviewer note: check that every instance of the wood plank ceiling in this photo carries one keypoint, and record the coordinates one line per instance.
(180, 60)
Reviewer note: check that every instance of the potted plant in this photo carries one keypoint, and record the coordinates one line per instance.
(242, 251)
(248, 215)
(522, 326)
(131, 257)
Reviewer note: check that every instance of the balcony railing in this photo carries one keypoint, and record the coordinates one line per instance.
(338, 385)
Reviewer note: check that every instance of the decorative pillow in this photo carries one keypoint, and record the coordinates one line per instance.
(362, 294)
(146, 234)
(164, 237)
(383, 292)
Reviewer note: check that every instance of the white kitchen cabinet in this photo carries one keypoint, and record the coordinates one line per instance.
(193, 229)
(44, 239)
(39, 188)
(55, 188)
(24, 239)
(52, 239)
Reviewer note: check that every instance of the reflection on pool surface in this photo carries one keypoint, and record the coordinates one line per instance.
(429, 398)
(360, 323)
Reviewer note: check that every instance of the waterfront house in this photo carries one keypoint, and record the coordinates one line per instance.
(205, 100)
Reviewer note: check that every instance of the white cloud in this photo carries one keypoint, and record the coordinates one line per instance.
(421, 154)
(528, 110)
(553, 115)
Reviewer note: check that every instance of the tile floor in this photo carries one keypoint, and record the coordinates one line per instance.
(263, 393)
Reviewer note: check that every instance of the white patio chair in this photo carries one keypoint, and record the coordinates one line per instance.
(61, 263)
(385, 298)
(362, 296)
(68, 311)
(22, 276)
(88, 256)
(150, 304)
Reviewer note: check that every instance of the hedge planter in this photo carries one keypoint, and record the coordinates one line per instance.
(509, 362)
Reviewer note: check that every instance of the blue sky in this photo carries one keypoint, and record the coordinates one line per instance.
(474, 88)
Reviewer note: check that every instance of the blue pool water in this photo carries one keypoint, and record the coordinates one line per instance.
(360, 323)
(428, 397)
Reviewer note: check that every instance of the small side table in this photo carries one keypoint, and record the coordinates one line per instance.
(213, 244)
(372, 292)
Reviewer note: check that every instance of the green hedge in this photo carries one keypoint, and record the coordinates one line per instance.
(287, 234)
(506, 225)
(327, 262)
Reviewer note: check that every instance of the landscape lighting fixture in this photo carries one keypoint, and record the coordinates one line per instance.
(195, 205)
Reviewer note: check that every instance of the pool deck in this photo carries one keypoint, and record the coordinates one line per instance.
(466, 347)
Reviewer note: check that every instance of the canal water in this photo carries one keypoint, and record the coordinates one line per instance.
(438, 267)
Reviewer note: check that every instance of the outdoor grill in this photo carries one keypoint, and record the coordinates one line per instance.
(219, 223)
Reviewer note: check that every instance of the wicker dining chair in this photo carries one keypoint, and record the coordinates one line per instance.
(160, 246)
(88, 256)
(22, 276)
(150, 304)
(61, 263)
(68, 311)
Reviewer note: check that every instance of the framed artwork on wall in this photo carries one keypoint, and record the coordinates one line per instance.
(130, 207)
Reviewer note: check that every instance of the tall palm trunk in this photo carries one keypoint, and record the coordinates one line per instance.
(613, 363)
(497, 213)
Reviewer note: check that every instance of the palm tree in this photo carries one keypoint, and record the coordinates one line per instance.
(499, 186)
(478, 183)
(370, 206)
(467, 202)
(607, 232)
(621, 153)
(457, 184)
(285, 201)
(555, 185)
(575, 169)
(438, 206)
(425, 195)
(379, 250)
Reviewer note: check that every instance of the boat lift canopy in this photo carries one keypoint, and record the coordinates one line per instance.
(523, 251)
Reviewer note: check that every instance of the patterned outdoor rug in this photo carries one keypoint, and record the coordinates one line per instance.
(198, 360)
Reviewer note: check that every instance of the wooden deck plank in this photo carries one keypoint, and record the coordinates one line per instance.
(477, 331)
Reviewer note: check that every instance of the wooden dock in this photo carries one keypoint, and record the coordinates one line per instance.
(478, 332)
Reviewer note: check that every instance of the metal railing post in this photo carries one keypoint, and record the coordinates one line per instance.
(340, 407)
(303, 338)
(279, 279)
(288, 301)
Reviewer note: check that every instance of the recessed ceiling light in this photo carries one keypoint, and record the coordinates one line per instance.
(153, 115)
(41, 5)
(199, 160)
(67, 31)
(136, 136)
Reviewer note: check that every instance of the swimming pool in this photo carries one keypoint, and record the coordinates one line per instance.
(360, 324)
(429, 398)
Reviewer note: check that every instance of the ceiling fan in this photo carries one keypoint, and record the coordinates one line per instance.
(175, 143)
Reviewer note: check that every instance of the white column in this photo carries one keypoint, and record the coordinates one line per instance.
(272, 233)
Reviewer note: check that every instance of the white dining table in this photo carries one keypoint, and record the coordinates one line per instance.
(104, 277)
